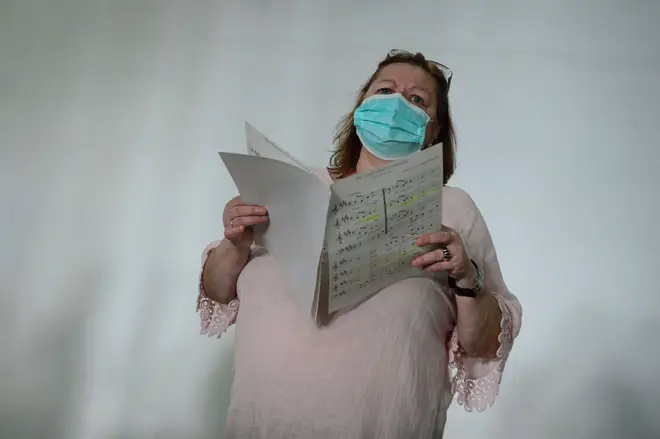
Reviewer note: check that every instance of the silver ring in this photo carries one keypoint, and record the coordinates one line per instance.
(445, 252)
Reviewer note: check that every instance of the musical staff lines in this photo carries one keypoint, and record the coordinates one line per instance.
(371, 235)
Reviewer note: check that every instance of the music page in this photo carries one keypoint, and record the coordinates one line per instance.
(297, 204)
(258, 144)
(373, 221)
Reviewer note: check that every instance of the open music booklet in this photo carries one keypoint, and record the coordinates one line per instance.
(342, 243)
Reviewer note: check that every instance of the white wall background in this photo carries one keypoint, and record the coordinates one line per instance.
(111, 113)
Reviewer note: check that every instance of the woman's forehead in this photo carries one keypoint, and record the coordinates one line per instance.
(406, 73)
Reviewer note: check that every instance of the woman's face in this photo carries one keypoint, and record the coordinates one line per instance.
(417, 86)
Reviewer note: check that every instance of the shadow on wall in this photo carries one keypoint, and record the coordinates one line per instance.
(602, 407)
(40, 398)
(219, 391)
(590, 386)
(210, 399)
(217, 401)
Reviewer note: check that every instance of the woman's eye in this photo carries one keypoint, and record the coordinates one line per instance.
(384, 91)
(417, 100)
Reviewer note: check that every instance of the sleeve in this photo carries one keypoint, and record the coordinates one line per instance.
(214, 317)
(476, 381)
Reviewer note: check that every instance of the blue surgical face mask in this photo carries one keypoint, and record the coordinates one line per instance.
(389, 126)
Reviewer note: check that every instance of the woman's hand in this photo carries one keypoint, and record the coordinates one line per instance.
(450, 256)
(239, 218)
(226, 261)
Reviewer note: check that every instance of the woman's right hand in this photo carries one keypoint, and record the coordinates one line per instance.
(239, 218)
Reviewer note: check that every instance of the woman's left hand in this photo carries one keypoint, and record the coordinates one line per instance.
(457, 265)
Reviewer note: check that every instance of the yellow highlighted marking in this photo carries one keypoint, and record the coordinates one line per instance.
(371, 218)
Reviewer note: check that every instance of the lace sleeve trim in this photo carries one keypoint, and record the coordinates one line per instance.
(215, 317)
(475, 390)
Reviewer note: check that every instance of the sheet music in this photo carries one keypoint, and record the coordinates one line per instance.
(258, 144)
(348, 242)
(373, 221)
(297, 204)
(320, 304)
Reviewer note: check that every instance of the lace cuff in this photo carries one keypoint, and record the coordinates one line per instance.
(476, 381)
(214, 317)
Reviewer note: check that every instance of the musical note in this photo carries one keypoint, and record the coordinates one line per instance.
(371, 234)
(349, 248)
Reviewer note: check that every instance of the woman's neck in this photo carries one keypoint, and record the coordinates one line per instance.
(368, 161)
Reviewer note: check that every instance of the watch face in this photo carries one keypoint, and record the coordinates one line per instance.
(480, 281)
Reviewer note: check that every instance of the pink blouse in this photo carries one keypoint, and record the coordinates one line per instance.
(387, 368)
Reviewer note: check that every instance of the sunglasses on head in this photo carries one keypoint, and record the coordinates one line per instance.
(446, 71)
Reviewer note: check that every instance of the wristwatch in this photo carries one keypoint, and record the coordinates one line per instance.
(469, 292)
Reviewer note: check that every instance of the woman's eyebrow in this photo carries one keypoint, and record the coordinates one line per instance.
(384, 80)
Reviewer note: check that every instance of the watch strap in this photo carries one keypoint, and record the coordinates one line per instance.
(468, 292)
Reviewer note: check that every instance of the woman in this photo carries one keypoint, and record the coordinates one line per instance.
(387, 368)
